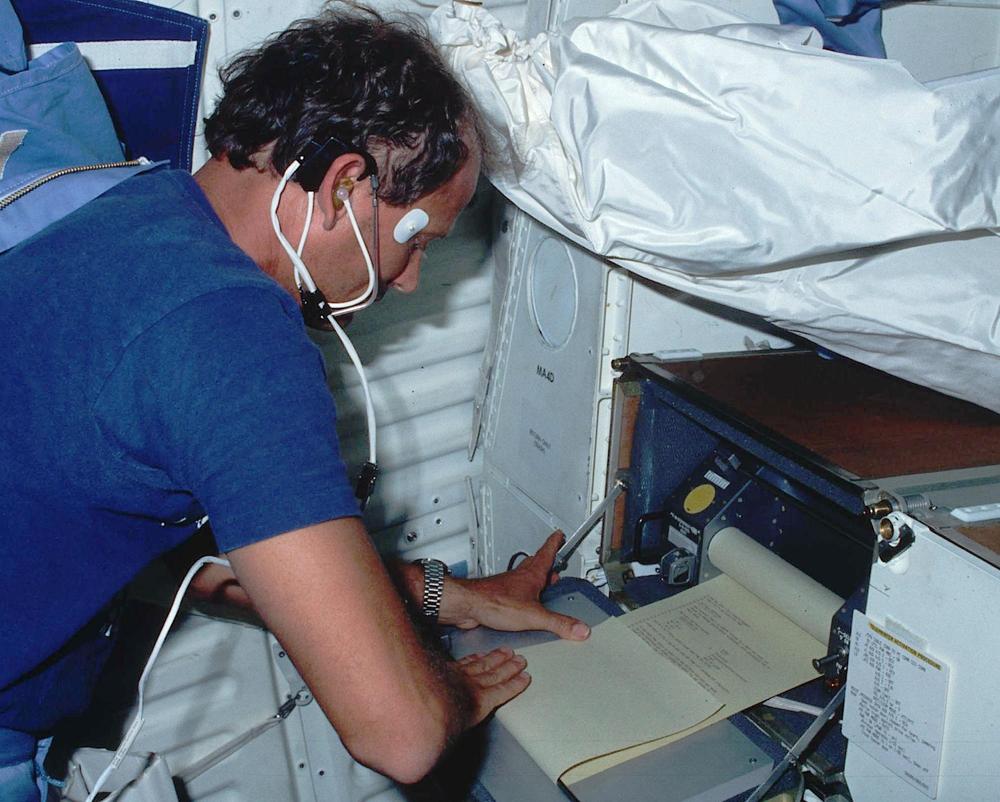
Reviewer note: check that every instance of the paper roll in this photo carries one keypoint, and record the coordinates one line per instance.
(771, 579)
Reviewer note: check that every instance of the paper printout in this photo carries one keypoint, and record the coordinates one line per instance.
(729, 641)
(714, 644)
(595, 697)
(895, 705)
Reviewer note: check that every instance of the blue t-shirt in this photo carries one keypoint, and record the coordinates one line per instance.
(152, 374)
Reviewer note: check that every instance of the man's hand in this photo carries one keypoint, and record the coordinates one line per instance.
(325, 594)
(492, 679)
(509, 601)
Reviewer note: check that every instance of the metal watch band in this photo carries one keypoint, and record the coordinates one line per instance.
(434, 574)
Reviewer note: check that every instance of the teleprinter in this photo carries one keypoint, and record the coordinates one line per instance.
(791, 469)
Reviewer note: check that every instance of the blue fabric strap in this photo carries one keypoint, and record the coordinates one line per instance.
(847, 26)
(24, 779)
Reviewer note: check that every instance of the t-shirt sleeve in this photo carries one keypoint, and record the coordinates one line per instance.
(225, 398)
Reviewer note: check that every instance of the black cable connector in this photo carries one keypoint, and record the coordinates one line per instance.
(365, 484)
(315, 309)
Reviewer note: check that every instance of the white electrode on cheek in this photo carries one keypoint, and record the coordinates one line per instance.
(409, 225)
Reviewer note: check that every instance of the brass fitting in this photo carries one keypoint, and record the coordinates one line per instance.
(879, 509)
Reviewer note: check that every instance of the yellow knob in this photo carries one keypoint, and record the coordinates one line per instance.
(699, 498)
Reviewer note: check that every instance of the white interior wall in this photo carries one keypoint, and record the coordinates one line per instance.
(940, 38)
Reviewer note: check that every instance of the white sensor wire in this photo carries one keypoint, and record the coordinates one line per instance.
(305, 228)
(303, 278)
(371, 291)
(133, 730)
(369, 406)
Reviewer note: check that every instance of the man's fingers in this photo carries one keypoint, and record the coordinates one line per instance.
(492, 689)
(500, 672)
(469, 658)
(488, 662)
(566, 627)
(546, 555)
(500, 693)
(494, 678)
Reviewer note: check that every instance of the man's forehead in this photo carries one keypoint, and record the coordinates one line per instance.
(452, 197)
(444, 204)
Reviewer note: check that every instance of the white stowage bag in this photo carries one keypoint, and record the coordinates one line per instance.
(742, 163)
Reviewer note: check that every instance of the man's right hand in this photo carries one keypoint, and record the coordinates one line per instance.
(493, 679)
(325, 594)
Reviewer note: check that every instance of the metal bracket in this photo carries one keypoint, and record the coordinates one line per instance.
(562, 558)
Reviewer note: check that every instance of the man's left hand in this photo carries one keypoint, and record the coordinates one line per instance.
(509, 601)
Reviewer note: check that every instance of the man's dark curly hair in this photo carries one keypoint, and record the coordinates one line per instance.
(370, 82)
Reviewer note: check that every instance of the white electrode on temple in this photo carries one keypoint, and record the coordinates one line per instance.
(409, 225)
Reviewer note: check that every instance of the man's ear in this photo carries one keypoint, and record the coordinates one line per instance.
(340, 181)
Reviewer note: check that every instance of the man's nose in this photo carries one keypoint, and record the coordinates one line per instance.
(408, 279)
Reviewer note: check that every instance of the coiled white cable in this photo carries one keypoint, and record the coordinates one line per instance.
(133, 730)
(371, 291)
(303, 278)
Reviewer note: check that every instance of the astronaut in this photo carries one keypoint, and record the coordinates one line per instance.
(158, 372)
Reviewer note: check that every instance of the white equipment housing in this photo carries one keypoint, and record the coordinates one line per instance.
(944, 593)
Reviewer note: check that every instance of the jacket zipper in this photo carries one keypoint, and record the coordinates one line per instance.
(85, 168)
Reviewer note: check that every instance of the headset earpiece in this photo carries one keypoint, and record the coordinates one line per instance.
(342, 192)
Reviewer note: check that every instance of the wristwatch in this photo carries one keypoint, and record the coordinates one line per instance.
(434, 573)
